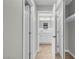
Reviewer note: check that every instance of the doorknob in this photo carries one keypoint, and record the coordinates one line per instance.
(54, 36)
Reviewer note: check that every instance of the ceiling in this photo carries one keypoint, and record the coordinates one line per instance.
(49, 2)
(44, 2)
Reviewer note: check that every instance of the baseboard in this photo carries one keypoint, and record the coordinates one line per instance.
(45, 43)
(67, 51)
(34, 57)
(70, 53)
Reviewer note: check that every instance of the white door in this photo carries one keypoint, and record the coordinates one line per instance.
(54, 33)
(26, 36)
(60, 28)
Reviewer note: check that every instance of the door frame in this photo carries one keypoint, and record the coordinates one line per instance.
(38, 27)
(38, 31)
(64, 28)
(23, 24)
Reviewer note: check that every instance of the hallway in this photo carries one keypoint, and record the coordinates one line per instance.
(44, 25)
(45, 52)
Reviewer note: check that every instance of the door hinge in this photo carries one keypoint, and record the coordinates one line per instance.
(29, 32)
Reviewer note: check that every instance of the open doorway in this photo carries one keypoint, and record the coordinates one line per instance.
(50, 23)
(51, 31)
(45, 34)
(46, 30)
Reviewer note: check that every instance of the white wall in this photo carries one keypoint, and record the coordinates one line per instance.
(66, 36)
(44, 8)
(70, 27)
(12, 23)
(36, 36)
(70, 37)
